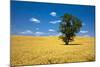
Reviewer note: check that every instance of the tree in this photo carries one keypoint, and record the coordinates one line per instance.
(69, 26)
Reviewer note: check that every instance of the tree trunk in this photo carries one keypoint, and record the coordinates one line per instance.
(66, 42)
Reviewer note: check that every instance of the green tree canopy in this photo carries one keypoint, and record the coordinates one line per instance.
(69, 26)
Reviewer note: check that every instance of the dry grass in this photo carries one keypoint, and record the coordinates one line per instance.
(28, 50)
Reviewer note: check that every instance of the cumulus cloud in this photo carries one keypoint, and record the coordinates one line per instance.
(51, 30)
(38, 33)
(56, 21)
(35, 20)
(59, 34)
(27, 32)
(37, 28)
(53, 13)
(83, 24)
(86, 35)
(83, 31)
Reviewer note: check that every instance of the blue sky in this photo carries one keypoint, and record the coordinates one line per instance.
(42, 19)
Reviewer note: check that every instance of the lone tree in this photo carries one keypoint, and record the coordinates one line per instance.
(69, 26)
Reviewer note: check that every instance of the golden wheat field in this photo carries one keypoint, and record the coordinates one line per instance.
(33, 50)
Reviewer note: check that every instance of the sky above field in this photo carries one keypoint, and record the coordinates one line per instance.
(42, 19)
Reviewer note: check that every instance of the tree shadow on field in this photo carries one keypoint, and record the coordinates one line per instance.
(70, 44)
(73, 44)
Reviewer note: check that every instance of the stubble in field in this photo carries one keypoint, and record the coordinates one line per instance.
(32, 50)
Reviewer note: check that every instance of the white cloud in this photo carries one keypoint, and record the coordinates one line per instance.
(51, 30)
(86, 35)
(83, 24)
(56, 21)
(35, 20)
(27, 32)
(38, 33)
(83, 31)
(59, 34)
(37, 28)
(53, 13)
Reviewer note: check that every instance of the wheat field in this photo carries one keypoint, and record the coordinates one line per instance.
(34, 50)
